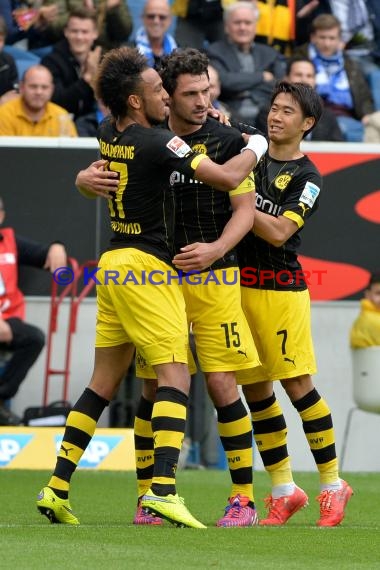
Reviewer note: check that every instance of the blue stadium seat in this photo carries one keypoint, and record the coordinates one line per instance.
(23, 59)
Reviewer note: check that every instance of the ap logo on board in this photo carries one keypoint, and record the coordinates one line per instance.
(99, 447)
(11, 445)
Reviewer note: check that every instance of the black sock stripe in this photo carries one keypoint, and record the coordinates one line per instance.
(144, 473)
(77, 437)
(307, 401)
(168, 424)
(166, 452)
(269, 425)
(166, 393)
(237, 442)
(64, 469)
(273, 456)
(144, 409)
(243, 475)
(325, 454)
(318, 425)
(90, 404)
(143, 443)
(232, 412)
(263, 404)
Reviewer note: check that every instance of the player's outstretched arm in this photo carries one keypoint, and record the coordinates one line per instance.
(229, 175)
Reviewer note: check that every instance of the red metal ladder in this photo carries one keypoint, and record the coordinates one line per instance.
(58, 295)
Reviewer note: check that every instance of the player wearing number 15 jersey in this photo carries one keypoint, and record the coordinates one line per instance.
(277, 305)
(137, 312)
(208, 225)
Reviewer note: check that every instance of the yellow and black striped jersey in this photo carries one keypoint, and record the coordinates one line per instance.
(201, 210)
(142, 210)
(283, 188)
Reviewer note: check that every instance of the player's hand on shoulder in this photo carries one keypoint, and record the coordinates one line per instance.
(219, 116)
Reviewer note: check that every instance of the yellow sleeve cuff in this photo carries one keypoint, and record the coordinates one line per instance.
(197, 160)
(248, 185)
(295, 217)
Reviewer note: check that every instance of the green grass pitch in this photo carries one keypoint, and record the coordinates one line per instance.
(107, 540)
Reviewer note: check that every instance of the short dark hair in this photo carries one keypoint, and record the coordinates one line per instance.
(325, 22)
(83, 14)
(374, 279)
(179, 62)
(296, 59)
(305, 95)
(119, 77)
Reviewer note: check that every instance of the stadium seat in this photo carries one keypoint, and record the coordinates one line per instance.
(23, 59)
(366, 387)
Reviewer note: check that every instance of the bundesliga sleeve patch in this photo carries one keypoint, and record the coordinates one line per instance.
(179, 147)
(309, 194)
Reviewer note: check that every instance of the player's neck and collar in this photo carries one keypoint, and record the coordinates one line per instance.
(122, 123)
(182, 128)
(285, 151)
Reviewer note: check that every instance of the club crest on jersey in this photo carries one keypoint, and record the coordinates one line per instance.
(282, 181)
(200, 148)
(179, 147)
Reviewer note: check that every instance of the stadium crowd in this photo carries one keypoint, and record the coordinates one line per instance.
(249, 45)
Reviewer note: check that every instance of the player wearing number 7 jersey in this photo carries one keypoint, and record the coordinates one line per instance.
(132, 308)
(276, 302)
